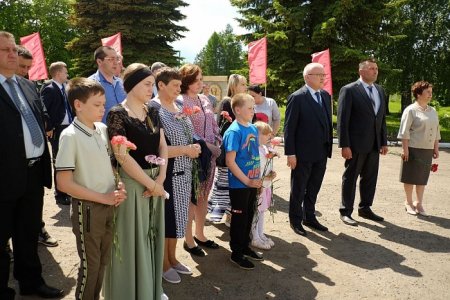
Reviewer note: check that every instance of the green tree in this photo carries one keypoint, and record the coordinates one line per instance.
(296, 29)
(48, 17)
(222, 54)
(147, 27)
(418, 47)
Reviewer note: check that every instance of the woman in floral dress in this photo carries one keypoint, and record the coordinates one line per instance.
(206, 128)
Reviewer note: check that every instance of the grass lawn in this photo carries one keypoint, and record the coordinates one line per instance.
(393, 120)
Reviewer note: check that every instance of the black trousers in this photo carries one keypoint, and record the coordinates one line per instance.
(306, 180)
(364, 165)
(243, 205)
(20, 218)
(54, 141)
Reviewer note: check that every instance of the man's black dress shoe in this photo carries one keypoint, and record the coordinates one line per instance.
(43, 291)
(298, 229)
(208, 244)
(314, 224)
(348, 220)
(367, 213)
(197, 251)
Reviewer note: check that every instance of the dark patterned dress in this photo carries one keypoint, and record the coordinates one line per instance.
(178, 183)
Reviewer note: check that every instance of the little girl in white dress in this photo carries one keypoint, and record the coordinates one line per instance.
(259, 239)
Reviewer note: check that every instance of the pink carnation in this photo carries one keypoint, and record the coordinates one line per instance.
(276, 141)
(151, 159)
(160, 161)
(196, 109)
(118, 140)
(187, 111)
(130, 145)
(226, 116)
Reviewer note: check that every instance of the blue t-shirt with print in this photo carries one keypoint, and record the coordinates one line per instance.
(244, 141)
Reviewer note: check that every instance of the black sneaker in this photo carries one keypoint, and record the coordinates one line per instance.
(46, 240)
(249, 253)
(243, 263)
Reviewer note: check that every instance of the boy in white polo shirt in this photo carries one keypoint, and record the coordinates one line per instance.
(84, 171)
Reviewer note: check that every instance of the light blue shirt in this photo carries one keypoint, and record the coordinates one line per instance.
(313, 93)
(376, 95)
(31, 150)
(114, 92)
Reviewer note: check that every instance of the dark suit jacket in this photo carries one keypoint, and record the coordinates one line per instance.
(13, 160)
(54, 102)
(358, 126)
(307, 129)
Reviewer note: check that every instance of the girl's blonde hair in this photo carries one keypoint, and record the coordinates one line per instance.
(263, 127)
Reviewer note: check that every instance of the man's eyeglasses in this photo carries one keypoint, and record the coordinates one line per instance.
(112, 59)
(318, 75)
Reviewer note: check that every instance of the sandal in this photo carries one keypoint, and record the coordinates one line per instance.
(208, 244)
(197, 251)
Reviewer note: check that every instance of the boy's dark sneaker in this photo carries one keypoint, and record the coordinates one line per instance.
(249, 253)
(243, 263)
(46, 240)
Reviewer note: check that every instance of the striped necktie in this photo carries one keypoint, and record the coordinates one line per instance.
(27, 114)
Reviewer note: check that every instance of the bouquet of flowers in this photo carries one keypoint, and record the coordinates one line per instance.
(182, 117)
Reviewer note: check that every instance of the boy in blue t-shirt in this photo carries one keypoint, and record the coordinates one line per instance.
(242, 159)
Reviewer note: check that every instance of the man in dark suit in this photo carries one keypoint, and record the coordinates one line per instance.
(54, 96)
(362, 137)
(308, 143)
(25, 60)
(26, 169)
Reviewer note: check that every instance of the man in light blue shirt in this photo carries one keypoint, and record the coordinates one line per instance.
(108, 63)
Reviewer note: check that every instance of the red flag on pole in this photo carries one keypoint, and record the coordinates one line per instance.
(257, 61)
(324, 59)
(114, 41)
(33, 43)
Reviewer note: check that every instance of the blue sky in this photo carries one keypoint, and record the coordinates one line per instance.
(203, 17)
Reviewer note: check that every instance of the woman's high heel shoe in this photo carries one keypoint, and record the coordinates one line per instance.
(410, 209)
(421, 212)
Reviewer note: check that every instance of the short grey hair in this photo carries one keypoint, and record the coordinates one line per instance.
(309, 67)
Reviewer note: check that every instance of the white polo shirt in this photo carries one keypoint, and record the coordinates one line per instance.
(85, 151)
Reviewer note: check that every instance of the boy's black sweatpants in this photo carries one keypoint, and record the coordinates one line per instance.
(243, 205)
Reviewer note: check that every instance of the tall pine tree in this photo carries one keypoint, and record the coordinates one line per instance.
(147, 27)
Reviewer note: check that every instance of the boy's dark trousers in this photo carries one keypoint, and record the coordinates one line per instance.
(92, 224)
(243, 207)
